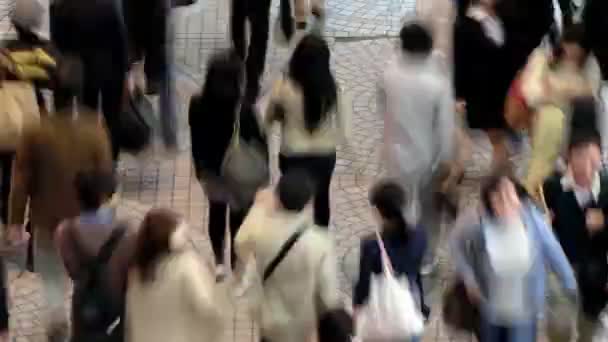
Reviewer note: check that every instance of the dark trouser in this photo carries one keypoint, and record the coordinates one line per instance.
(257, 12)
(320, 167)
(497, 333)
(111, 89)
(6, 166)
(217, 229)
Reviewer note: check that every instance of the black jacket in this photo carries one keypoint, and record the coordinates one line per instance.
(211, 132)
(478, 75)
(595, 17)
(586, 252)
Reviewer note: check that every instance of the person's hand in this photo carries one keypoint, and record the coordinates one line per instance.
(595, 220)
(16, 235)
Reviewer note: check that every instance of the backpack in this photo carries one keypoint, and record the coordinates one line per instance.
(95, 312)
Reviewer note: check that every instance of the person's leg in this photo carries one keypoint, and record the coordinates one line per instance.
(217, 229)
(6, 165)
(559, 314)
(236, 220)
(237, 26)
(526, 332)
(111, 106)
(325, 166)
(258, 13)
(430, 220)
(49, 265)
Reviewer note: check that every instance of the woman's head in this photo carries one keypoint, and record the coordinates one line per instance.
(224, 79)
(388, 200)
(573, 48)
(162, 231)
(584, 157)
(94, 188)
(500, 196)
(309, 68)
(294, 190)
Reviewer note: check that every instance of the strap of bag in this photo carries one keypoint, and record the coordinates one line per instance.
(283, 251)
(387, 266)
(106, 250)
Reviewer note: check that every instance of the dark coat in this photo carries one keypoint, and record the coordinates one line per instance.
(587, 253)
(405, 255)
(595, 17)
(478, 75)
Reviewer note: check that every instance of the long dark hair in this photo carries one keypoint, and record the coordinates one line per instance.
(153, 241)
(492, 185)
(389, 199)
(222, 90)
(309, 68)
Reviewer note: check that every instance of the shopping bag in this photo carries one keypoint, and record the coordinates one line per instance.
(136, 124)
(18, 111)
(391, 313)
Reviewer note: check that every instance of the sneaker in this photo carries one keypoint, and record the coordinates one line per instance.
(220, 272)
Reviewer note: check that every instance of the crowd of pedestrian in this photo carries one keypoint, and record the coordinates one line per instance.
(531, 251)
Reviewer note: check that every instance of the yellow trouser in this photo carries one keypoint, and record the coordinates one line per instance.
(547, 139)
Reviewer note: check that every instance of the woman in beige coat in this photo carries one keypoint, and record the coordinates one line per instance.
(171, 294)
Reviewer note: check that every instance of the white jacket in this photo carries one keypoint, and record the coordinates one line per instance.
(181, 304)
(287, 310)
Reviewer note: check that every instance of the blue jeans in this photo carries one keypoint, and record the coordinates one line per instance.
(525, 332)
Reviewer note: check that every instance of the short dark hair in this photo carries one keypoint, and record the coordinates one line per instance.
(415, 38)
(584, 137)
(93, 187)
(295, 189)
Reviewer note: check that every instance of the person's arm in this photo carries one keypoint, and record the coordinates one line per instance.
(200, 290)
(461, 235)
(344, 110)
(446, 125)
(361, 290)
(22, 174)
(553, 252)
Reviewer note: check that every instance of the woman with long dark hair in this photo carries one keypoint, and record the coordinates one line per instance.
(171, 294)
(212, 116)
(306, 102)
(405, 245)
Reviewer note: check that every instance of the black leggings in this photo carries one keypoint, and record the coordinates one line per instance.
(6, 166)
(217, 229)
(320, 167)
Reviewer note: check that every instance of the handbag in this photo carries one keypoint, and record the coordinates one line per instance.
(245, 168)
(390, 313)
(136, 123)
(18, 112)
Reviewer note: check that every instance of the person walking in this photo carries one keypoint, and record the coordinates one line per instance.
(416, 100)
(314, 120)
(257, 13)
(404, 245)
(46, 165)
(212, 116)
(95, 34)
(171, 293)
(294, 258)
(500, 250)
(80, 239)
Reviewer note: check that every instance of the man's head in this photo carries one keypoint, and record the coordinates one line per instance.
(416, 39)
(93, 188)
(294, 191)
(584, 156)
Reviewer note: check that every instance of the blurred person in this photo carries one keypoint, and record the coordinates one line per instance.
(405, 245)
(171, 292)
(480, 84)
(594, 18)
(47, 162)
(500, 251)
(95, 34)
(251, 48)
(81, 239)
(212, 116)
(415, 99)
(304, 283)
(578, 203)
(306, 103)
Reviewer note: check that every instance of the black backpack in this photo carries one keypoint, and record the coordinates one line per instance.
(95, 311)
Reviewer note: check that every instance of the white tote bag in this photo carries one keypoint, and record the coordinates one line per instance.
(391, 313)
